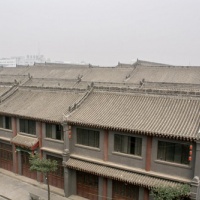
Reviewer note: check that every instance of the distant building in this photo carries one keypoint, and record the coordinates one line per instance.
(8, 62)
(30, 59)
(22, 60)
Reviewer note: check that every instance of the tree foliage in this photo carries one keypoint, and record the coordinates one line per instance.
(43, 165)
(180, 192)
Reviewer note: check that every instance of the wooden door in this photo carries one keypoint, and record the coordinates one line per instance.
(87, 185)
(124, 191)
(57, 178)
(6, 156)
(26, 166)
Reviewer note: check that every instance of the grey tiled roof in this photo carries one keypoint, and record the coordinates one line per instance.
(107, 74)
(165, 116)
(4, 89)
(131, 74)
(13, 70)
(25, 141)
(171, 86)
(53, 83)
(11, 78)
(151, 72)
(66, 65)
(148, 63)
(40, 104)
(57, 72)
(118, 174)
(166, 74)
(56, 83)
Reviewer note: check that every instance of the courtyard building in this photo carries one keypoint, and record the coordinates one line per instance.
(116, 132)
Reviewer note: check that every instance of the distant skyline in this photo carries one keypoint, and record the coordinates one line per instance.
(102, 32)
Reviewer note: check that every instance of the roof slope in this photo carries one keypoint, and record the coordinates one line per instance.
(11, 79)
(39, 104)
(107, 74)
(24, 141)
(141, 113)
(166, 74)
(57, 72)
(4, 89)
(13, 70)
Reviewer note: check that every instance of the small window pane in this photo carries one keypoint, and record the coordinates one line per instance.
(31, 127)
(27, 126)
(49, 130)
(59, 132)
(88, 137)
(1, 121)
(117, 143)
(173, 152)
(128, 145)
(8, 123)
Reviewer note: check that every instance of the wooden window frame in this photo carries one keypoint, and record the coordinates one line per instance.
(27, 126)
(173, 152)
(54, 131)
(6, 122)
(128, 144)
(88, 137)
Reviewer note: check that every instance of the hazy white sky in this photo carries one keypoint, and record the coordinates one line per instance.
(102, 32)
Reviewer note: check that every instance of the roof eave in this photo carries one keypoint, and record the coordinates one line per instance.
(32, 118)
(139, 132)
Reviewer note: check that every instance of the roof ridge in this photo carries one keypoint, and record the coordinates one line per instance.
(155, 91)
(9, 93)
(52, 89)
(78, 103)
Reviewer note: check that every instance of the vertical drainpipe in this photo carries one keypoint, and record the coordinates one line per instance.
(66, 149)
(148, 162)
(40, 146)
(40, 138)
(105, 158)
(105, 151)
(15, 153)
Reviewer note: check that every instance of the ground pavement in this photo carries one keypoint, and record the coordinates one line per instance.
(16, 187)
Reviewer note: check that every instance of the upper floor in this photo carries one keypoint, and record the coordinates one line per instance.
(130, 151)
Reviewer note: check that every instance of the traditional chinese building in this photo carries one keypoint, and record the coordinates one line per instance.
(116, 132)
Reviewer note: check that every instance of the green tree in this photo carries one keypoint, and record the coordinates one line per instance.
(43, 165)
(179, 192)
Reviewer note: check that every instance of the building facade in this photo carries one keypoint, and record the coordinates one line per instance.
(116, 132)
(7, 62)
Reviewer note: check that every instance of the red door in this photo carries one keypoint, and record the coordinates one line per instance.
(87, 185)
(6, 156)
(26, 166)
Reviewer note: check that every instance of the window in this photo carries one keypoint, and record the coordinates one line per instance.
(54, 131)
(127, 144)
(28, 126)
(1, 122)
(5, 122)
(88, 137)
(173, 152)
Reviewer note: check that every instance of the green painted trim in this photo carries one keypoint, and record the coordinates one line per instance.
(22, 149)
